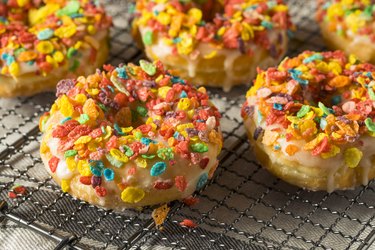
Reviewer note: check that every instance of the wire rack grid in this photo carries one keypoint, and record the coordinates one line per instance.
(243, 207)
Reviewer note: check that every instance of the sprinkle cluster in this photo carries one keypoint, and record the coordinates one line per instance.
(140, 117)
(326, 99)
(39, 36)
(234, 24)
(348, 17)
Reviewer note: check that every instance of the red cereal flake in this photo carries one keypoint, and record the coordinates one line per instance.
(204, 162)
(121, 99)
(163, 184)
(79, 131)
(191, 201)
(60, 132)
(12, 195)
(100, 191)
(182, 147)
(180, 183)
(145, 128)
(52, 163)
(108, 67)
(20, 190)
(85, 180)
(112, 142)
(322, 147)
(96, 133)
(188, 223)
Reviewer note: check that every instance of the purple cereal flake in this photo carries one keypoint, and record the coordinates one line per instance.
(258, 131)
(249, 110)
(191, 132)
(96, 181)
(241, 45)
(170, 114)
(149, 84)
(203, 136)
(273, 51)
(63, 86)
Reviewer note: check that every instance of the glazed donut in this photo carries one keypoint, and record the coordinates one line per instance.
(348, 26)
(43, 42)
(215, 44)
(130, 137)
(311, 120)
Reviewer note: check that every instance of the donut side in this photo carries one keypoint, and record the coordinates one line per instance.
(211, 44)
(226, 69)
(30, 83)
(317, 176)
(364, 48)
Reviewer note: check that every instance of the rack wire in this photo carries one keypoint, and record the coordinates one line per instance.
(243, 206)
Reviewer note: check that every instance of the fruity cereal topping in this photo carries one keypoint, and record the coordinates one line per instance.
(348, 17)
(231, 24)
(324, 99)
(40, 36)
(137, 127)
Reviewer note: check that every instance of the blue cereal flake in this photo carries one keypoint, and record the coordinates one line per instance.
(118, 129)
(278, 106)
(336, 99)
(176, 79)
(183, 94)
(109, 174)
(65, 119)
(267, 25)
(9, 59)
(121, 73)
(277, 147)
(202, 181)
(45, 34)
(96, 168)
(312, 58)
(146, 141)
(158, 168)
(295, 74)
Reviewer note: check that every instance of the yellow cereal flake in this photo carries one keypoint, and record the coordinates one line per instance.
(132, 194)
(65, 185)
(333, 152)
(118, 155)
(83, 168)
(90, 109)
(71, 163)
(65, 107)
(83, 140)
(352, 157)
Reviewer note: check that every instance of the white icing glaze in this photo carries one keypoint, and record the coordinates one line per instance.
(62, 170)
(53, 144)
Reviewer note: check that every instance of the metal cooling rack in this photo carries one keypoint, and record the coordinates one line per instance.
(243, 207)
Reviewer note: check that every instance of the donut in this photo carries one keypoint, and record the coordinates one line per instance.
(348, 26)
(311, 120)
(130, 136)
(45, 41)
(213, 43)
